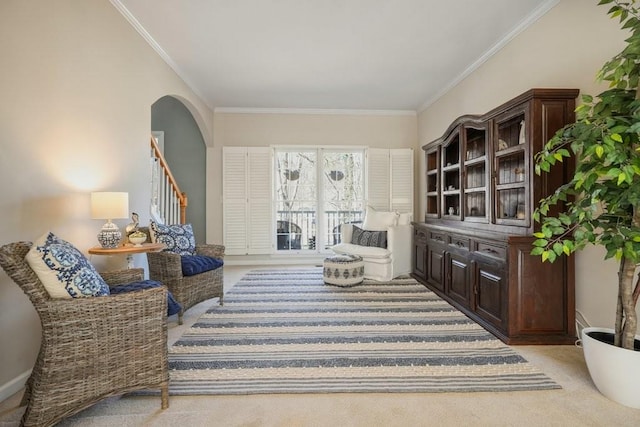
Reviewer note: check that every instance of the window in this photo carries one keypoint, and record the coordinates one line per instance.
(293, 199)
(343, 191)
(296, 199)
(315, 191)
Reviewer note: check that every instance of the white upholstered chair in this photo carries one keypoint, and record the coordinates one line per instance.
(381, 263)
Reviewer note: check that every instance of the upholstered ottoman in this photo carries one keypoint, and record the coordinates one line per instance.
(343, 270)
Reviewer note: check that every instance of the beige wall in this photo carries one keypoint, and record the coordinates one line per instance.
(77, 85)
(259, 129)
(564, 48)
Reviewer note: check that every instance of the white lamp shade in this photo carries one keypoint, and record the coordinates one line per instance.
(109, 205)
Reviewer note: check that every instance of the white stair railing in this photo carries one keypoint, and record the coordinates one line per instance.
(168, 203)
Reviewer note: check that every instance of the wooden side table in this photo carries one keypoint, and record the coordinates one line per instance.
(128, 250)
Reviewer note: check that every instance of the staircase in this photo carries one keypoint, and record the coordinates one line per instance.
(168, 203)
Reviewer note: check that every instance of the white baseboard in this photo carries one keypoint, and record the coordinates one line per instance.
(15, 385)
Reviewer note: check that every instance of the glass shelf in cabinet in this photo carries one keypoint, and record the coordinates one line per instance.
(475, 160)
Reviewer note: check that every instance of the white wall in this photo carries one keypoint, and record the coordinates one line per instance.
(564, 48)
(261, 130)
(77, 86)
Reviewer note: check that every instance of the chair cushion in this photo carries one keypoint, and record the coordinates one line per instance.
(173, 306)
(363, 251)
(379, 221)
(63, 270)
(368, 238)
(178, 238)
(196, 264)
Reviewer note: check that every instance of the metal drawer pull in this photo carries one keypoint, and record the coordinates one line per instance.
(491, 251)
(460, 244)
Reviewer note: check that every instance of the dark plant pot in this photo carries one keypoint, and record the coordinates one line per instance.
(615, 371)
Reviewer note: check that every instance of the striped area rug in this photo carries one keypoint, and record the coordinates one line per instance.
(285, 331)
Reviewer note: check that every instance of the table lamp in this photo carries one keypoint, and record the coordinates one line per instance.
(109, 205)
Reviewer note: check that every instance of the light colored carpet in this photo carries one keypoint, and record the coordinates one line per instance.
(285, 331)
(578, 403)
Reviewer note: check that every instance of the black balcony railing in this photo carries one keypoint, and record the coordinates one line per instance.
(297, 230)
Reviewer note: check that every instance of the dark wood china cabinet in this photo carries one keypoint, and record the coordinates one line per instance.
(473, 247)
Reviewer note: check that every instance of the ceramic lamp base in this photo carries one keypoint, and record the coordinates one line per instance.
(109, 236)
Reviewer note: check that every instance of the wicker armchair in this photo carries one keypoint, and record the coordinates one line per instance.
(166, 267)
(91, 347)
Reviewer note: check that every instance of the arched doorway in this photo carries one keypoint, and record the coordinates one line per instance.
(185, 153)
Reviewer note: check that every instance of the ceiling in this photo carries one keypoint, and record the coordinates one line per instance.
(398, 55)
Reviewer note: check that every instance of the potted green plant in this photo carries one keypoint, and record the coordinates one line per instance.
(600, 203)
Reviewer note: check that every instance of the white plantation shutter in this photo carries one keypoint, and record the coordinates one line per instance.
(235, 228)
(401, 161)
(260, 226)
(390, 179)
(246, 200)
(234, 199)
(378, 176)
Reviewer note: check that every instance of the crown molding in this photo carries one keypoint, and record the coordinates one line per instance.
(314, 111)
(165, 57)
(544, 7)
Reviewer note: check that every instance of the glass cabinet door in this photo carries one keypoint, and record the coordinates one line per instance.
(451, 183)
(433, 182)
(475, 174)
(511, 169)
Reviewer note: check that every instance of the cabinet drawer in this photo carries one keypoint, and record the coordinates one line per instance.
(492, 250)
(420, 236)
(460, 243)
(438, 237)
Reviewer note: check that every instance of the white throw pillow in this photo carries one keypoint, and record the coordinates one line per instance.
(63, 270)
(379, 221)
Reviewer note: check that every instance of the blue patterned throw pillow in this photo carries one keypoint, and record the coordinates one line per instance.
(63, 270)
(369, 238)
(177, 238)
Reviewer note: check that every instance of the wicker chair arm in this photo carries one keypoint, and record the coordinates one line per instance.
(128, 310)
(211, 250)
(121, 277)
(164, 266)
